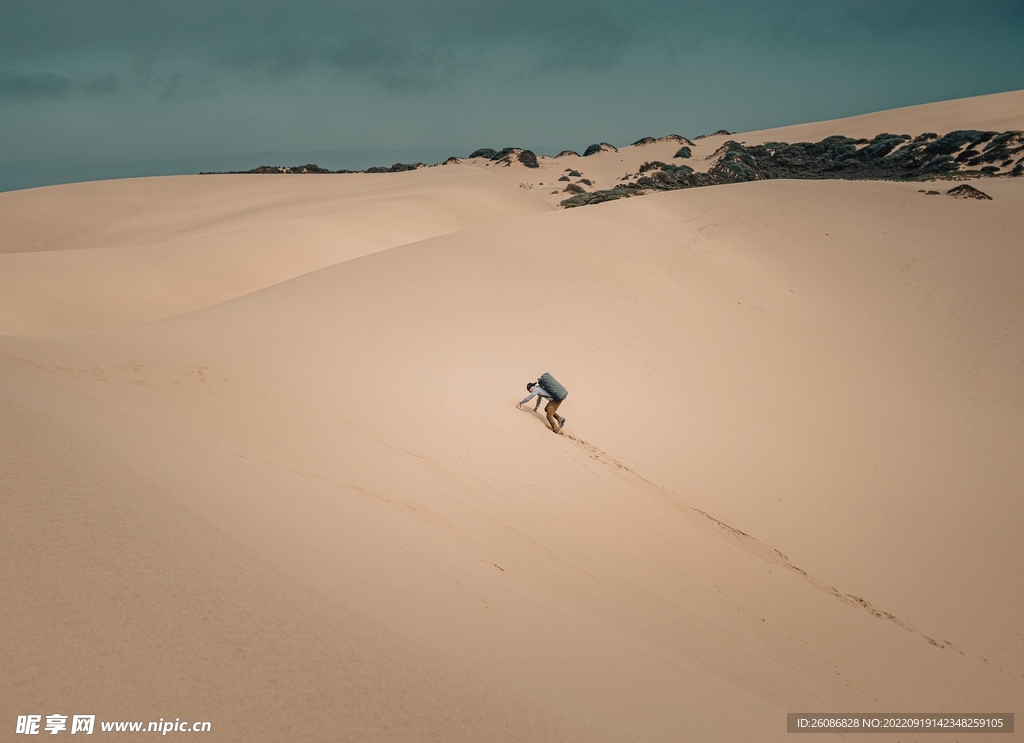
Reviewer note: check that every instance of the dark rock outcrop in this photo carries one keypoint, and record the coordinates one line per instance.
(667, 138)
(597, 197)
(968, 192)
(527, 158)
(887, 156)
(720, 132)
(507, 156)
(1002, 147)
(675, 138)
(602, 147)
(396, 168)
(503, 153)
(308, 168)
(672, 170)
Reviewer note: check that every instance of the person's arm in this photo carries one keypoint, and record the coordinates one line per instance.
(538, 392)
(530, 397)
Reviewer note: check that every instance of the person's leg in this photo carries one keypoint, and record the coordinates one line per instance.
(552, 409)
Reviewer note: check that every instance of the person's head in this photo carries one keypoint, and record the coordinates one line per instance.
(530, 386)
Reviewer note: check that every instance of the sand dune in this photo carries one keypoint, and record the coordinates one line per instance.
(996, 112)
(791, 480)
(96, 255)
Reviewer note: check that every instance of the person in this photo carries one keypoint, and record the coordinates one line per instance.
(551, 409)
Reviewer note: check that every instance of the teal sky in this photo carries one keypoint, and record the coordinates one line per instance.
(116, 87)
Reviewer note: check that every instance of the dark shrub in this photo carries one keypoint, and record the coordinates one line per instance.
(968, 192)
(594, 148)
(887, 156)
(998, 141)
(683, 152)
(953, 141)
(883, 144)
(598, 196)
(484, 152)
(527, 158)
(705, 136)
(396, 168)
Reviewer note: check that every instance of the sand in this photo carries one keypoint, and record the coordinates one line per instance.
(98, 255)
(310, 510)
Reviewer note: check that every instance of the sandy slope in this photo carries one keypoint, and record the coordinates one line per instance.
(96, 255)
(997, 112)
(313, 512)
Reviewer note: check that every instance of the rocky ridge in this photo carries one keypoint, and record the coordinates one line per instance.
(507, 156)
(602, 147)
(667, 138)
(887, 156)
(311, 168)
(965, 153)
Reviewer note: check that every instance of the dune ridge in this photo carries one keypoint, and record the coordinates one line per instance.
(137, 250)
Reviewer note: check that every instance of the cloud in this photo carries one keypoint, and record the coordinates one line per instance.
(394, 43)
(108, 83)
(28, 86)
(33, 85)
(180, 76)
(426, 44)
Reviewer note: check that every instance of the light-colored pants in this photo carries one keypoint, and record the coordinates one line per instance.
(552, 412)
